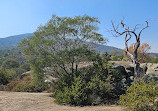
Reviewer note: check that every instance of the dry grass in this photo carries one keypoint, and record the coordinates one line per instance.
(17, 101)
(123, 63)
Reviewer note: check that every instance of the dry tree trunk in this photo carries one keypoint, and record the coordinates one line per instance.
(128, 35)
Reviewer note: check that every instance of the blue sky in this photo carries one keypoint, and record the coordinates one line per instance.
(24, 16)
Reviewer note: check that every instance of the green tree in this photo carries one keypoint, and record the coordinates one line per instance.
(8, 64)
(60, 45)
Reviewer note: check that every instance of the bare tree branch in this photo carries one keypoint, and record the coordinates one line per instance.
(129, 33)
(143, 29)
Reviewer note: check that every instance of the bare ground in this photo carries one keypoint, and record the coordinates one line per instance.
(17, 101)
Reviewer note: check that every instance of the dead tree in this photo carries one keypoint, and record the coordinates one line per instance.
(129, 33)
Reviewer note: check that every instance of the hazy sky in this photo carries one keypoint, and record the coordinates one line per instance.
(24, 16)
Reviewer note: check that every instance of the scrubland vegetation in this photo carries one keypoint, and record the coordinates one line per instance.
(57, 49)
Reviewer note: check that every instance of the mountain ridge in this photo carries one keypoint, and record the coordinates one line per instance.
(12, 42)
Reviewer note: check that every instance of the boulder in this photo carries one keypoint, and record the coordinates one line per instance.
(2, 87)
(152, 68)
(129, 70)
(120, 69)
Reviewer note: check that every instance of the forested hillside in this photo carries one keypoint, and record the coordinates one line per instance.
(13, 40)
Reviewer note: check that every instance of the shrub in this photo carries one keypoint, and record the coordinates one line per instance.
(25, 87)
(99, 91)
(116, 58)
(14, 73)
(11, 74)
(26, 67)
(3, 78)
(92, 85)
(12, 86)
(74, 94)
(141, 96)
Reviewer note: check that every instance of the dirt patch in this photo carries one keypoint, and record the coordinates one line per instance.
(17, 101)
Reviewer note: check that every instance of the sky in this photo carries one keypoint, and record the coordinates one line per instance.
(24, 16)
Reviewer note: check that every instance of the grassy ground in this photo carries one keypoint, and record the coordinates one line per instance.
(18, 101)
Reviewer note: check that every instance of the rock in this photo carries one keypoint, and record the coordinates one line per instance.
(152, 69)
(129, 73)
(144, 67)
(120, 69)
(2, 87)
(130, 67)
(129, 70)
(131, 78)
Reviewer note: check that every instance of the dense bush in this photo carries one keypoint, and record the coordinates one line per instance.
(26, 85)
(26, 67)
(92, 85)
(11, 63)
(3, 78)
(74, 94)
(116, 58)
(11, 85)
(141, 96)
(14, 73)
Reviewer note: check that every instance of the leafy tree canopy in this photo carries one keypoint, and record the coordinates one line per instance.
(61, 44)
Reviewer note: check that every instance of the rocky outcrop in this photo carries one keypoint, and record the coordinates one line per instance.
(152, 69)
(146, 68)
(149, 70)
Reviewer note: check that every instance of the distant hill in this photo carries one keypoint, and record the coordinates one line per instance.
(12, 42)
(154, 54)
(104, 48)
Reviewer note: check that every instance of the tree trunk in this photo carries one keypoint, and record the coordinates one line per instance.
(137, 73)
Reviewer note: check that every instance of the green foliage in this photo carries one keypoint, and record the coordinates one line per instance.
(75, 94)
(8, 64)
(99, 90)
(27, 87)
(116, 58)
(14, 73)
(26, 67)
(60, 45)
(11, 85)
(141, 96)
(92, 85)
(11, 61)
(3, 78)
(153, 60)
(38, 77)
(24, 85)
